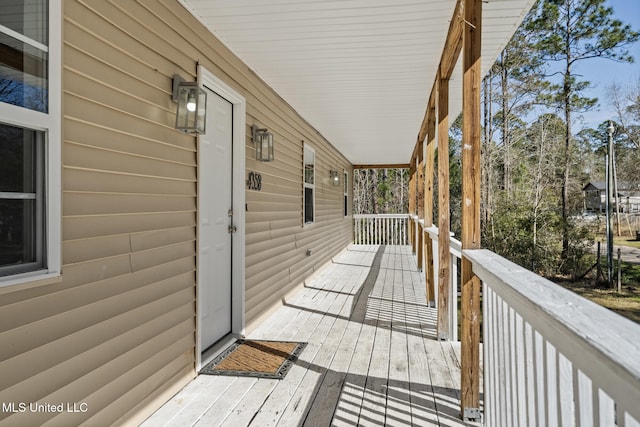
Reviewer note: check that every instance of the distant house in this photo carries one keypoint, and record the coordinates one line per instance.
(595, 194)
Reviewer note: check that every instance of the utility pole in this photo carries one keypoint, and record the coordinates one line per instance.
(610, 130)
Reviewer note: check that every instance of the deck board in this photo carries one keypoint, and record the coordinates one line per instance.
(371, 357)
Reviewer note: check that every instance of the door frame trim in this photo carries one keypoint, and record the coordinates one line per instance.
(215, 84)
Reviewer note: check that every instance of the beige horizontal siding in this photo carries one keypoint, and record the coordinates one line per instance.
(79, 179)
(118, 331)
(93, 248)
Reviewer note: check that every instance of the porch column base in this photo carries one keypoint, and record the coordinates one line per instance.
(472, 415)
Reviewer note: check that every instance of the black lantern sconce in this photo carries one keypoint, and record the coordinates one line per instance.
(263, 140)
(335, 178)
(191, 113)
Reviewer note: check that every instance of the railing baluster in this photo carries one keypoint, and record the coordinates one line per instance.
(405, 233)
(510, 365)
(392, 231)
(489, 353)
(376, 234)
(582, 390)
(519, 361)
(396, 231)
(595, 404)
(502, 365)
(367, 231)
(530, 375)
(541, 393)
(552, 413)
(383, 230)
(606, 409)
(389, 231)
(565, 390)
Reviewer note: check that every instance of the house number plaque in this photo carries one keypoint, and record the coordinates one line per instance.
(254, 182)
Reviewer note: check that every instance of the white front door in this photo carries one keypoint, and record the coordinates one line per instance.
(215, 213)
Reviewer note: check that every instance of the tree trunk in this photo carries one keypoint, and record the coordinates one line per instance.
(402, 210)
(486, 158)
(505, 126)
(385, 180)
(567, 90)
(374, 190)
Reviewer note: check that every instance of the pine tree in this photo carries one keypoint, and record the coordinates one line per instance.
(570, 31)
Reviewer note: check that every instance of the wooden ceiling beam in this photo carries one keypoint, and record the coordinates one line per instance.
(453, 45)
(448, 60)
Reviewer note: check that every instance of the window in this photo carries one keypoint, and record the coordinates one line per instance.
(21, 200)
(346, 194)
(309, 184)
(24, 54)
(30, 88)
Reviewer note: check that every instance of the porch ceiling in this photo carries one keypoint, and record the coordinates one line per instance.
(359, 71)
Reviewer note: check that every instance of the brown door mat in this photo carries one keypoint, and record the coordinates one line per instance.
(253, 358)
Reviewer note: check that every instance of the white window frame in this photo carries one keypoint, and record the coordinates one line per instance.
(50, 123)
(345, 187)
(307, 185)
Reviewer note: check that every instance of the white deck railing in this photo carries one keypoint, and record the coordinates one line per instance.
(551, 357)
(381, 229)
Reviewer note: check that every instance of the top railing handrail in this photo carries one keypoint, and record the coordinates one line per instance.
(455, 245)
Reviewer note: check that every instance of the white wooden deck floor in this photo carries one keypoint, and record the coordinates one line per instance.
(371, 358)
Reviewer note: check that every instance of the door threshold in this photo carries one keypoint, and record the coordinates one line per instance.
(221, 345)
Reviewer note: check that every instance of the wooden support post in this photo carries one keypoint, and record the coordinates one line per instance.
(428, 197)
(420, 202)
(450, 54)
(443, 211)
(412, 207)
(470, 331)
(420, 255)
(420, 189)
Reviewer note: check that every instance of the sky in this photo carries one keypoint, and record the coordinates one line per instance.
(602, 72)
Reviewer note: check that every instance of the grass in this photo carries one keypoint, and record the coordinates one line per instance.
(626, 241)
(625, 303)
(628, 237)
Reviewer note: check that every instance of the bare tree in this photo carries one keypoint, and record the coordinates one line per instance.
(626, 103)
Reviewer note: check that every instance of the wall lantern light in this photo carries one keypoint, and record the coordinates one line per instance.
(335, 178)
(192, 106)
(263, 140)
